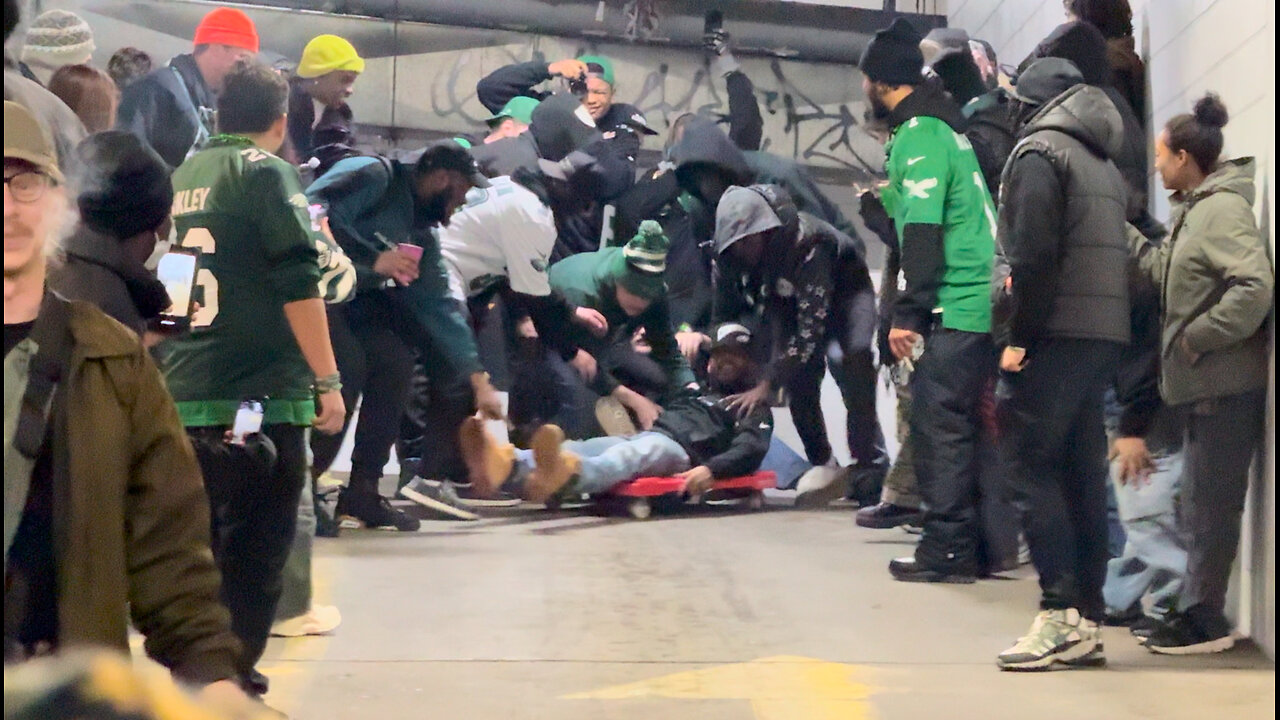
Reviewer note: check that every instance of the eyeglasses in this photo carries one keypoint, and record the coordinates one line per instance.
(28, 187)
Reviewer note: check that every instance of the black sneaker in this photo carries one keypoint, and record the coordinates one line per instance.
(1143, 627)
(1125, 618)
(438, 497)
(865, 485)
(908, 570)
(369, 510)
(884, 516)
(1183, 634)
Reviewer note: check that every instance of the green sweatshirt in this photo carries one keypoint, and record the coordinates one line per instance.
(588, 280)
(243, 208)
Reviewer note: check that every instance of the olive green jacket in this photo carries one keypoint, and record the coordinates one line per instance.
(131, 519)
(1216, 280)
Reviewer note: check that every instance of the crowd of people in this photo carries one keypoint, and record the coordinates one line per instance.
(1036, 320)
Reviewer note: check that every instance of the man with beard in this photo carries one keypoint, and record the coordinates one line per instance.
(699, 436)
(381, 212)
(945, 223)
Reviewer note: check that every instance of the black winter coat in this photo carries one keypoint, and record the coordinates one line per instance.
(714, 436)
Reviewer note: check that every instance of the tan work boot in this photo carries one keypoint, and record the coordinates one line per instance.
(554, 467)
(488, 463)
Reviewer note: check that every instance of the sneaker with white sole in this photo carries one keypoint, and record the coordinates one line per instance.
(821, 485)
(468, 496)
(319, 620)
(371, 511)
(1056, 637)
(438, 497)
(1185, 633)
(327, 482)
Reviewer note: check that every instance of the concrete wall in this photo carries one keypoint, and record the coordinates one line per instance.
(1190, 46)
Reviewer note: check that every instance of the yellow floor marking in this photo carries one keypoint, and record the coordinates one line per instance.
(779, 688)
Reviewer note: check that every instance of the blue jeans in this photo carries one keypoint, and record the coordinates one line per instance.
(1155, 554)
(607, 461)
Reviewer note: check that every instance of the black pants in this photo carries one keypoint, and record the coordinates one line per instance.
(848, 355)
(253, 500)
(1222, 437)
(376, 363)
(946, 433)
(439, 401)
(550, 390)
(1054, 449)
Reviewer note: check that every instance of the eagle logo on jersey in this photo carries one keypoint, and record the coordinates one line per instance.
(920, 188)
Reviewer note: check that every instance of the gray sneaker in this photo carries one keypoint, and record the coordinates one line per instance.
(1056, 637)
(438, 497)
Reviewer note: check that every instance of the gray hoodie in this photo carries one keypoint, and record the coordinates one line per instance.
(1216, 282)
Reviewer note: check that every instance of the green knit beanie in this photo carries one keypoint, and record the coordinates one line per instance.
(644, 259)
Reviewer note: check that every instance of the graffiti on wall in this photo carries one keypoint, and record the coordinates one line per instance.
(813, 113)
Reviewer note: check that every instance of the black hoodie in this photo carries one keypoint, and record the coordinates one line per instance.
(1086, 48)
(811, 267)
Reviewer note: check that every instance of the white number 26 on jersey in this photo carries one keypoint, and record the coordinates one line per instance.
(201, 239)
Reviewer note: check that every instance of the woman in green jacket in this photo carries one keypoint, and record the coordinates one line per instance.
(1215, 279)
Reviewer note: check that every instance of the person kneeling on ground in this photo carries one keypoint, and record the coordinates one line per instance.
(627, 286)
(698, 437)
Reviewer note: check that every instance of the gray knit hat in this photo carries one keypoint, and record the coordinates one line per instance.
(56, 38)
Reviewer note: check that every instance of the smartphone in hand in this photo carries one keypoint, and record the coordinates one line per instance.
(177, 272)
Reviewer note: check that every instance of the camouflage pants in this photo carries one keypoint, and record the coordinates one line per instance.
(900, 484)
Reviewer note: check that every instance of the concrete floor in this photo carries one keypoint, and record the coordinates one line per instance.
(713, 615)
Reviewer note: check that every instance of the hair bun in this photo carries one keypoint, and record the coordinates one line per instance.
(1210, 112)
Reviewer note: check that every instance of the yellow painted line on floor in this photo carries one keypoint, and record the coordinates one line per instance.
(779, 688)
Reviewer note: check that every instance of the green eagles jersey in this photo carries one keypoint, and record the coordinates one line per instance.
(934, 179)
(244, 210)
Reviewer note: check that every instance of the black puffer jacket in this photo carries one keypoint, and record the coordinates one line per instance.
(714, 435)
(1062, 223)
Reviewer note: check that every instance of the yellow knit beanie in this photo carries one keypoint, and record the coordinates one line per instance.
(326, 54)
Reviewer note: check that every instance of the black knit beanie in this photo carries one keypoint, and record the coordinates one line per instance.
(893, 56)
(124, 187)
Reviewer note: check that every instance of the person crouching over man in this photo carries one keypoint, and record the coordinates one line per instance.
(698, 436)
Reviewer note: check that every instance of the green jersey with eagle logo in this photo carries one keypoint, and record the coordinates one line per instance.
(935, 179)
(244, 210)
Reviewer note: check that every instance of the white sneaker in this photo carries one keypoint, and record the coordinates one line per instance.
(1056, 637)
(328, 482)
(319, 620)
(821, 485)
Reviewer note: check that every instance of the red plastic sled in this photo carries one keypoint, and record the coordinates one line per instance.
(639, 493)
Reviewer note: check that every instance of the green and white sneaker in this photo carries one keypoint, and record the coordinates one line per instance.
(1056, 637)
